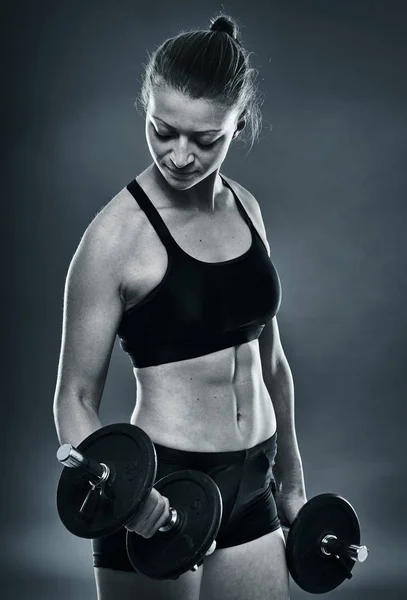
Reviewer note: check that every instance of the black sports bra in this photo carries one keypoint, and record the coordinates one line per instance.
(199, 307)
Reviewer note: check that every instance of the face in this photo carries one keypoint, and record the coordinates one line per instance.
(188, 139)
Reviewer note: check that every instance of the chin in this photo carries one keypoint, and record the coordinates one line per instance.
(176, 180)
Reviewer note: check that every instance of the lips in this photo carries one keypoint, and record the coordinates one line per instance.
(180, 173)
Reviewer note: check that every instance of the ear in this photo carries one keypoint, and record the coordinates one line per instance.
(241, 124)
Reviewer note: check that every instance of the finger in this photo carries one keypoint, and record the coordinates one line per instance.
(146, 525)
(138, 522)
(158, 518)
(163, 518)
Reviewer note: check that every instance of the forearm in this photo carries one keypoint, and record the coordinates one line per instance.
(288, 470)
(74, 420)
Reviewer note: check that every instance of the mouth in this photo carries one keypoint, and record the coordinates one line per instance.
(180, 174)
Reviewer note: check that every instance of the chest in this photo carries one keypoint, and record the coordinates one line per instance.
(221, 237)
(215, 238)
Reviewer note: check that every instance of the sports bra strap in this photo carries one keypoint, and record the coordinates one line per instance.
(152, 213)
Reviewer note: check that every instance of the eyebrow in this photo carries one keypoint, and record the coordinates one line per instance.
(196, 132)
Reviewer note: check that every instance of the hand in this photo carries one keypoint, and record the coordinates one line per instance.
(154, 514)
(288, 505)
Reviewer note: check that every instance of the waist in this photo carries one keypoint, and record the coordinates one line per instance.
(211, 431)
(215, 403)
(192, 459)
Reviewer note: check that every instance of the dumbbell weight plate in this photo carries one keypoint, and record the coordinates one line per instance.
(324, 514)
(129, 453)
(198, 502)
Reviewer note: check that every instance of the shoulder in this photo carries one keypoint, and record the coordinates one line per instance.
(106, 240)
(252, 207)
(239, 189)
(247, 198)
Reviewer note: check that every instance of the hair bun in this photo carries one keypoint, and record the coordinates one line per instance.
(224, 24)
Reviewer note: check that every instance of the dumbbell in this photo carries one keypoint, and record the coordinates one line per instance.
(323, 544)
(106, 481)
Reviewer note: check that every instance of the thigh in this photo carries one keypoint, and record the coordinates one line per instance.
(255, 570)
(115, 577)
(112, 584)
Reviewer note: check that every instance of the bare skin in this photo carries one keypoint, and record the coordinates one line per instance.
(217, 402)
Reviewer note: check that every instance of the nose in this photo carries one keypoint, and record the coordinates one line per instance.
(180, 156)
(179, 164)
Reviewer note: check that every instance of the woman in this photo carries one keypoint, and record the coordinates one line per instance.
(177, 265)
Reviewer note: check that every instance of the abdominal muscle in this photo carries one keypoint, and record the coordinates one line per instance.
(213, 403)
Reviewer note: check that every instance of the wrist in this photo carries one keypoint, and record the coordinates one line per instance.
(283, 493)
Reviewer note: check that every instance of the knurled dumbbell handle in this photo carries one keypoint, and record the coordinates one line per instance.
(331, 545)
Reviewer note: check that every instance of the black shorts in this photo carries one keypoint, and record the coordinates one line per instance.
(245, 479)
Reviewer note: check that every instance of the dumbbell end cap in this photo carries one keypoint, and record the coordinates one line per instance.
(362, 554)
(64, 452)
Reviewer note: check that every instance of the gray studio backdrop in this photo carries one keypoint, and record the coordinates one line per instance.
(329, 174)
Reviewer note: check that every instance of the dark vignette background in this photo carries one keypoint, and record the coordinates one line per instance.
(330, 179)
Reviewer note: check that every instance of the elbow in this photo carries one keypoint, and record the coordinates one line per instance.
(63, 415)
(277, 371)
(72, 399)
(62, 406)
(56, 410)
(75, 418)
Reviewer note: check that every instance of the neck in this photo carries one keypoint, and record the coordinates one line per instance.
(202, 197)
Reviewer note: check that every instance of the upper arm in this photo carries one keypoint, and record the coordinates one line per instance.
(92, 313)
(271, 349)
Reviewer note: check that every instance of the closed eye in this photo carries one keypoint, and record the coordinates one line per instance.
(166, 137)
